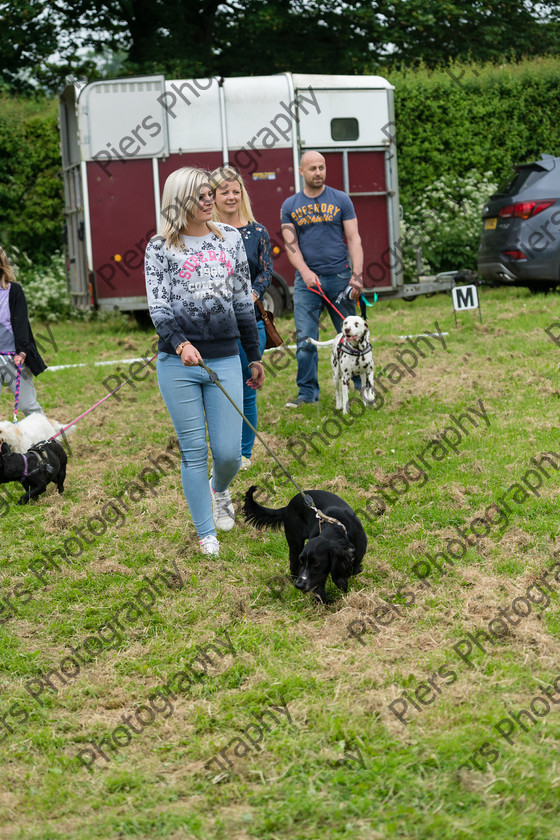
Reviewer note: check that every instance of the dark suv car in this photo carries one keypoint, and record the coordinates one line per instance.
(520, 241)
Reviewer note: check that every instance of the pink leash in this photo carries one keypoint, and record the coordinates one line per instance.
(18, 381)
(98, 403)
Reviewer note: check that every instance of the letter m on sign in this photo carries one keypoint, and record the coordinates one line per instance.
(464, 297)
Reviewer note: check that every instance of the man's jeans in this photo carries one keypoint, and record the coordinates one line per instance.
(308, 306)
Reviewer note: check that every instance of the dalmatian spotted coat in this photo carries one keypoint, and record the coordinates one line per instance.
(352, 356)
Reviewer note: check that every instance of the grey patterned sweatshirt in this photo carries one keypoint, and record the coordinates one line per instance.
(202, 293)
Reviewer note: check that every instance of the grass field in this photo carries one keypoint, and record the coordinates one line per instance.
(87, 642)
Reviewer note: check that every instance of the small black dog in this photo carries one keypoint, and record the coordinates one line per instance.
(331, 547)
(41, 464)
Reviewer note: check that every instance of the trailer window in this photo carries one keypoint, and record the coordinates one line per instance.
(344, 128)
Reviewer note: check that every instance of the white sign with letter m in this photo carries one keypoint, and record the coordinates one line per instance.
(464, 297)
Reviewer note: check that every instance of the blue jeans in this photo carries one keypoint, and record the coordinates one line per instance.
(250, 395)
(189, 395)
(308, 306)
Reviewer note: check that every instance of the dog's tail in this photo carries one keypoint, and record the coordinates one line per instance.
(321, 343)
(260, 516)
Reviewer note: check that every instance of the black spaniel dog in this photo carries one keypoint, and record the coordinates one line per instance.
(332, 547)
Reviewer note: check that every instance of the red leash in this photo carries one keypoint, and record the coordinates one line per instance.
(321, 293)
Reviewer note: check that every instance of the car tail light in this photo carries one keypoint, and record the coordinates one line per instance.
(515, 255)
(524, 209)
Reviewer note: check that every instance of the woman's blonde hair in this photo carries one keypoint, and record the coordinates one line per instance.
(222, 175)
(7, 275)
(180, 198)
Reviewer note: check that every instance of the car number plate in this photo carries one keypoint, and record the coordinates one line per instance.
(490, 224)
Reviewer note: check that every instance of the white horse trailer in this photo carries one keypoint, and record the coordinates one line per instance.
(121, 138)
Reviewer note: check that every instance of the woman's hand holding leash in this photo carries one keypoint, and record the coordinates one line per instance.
(257, 375)
(190, 355)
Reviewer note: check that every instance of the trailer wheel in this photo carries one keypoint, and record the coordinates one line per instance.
(273, 300)
(143, 319)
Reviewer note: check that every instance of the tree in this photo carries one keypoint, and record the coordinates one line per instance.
(240, 37)
(303, 36)
(27, 34)
(437, 32)
(158, 36)
(46, 40)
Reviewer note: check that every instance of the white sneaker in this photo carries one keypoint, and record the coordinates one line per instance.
(209, 545)
(245, 463)
(222, 509)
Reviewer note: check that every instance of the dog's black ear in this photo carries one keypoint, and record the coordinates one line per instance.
(345, 559)
(342, 566)
(5, 449)
(341, 582)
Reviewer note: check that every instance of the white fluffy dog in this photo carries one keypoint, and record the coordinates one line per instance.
(31, 430)
(351, 356)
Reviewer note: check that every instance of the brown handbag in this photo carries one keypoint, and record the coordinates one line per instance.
(273, 338)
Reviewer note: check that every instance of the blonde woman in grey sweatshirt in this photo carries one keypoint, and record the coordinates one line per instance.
(199, 294)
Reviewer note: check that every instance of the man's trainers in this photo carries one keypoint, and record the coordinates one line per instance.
(209, 545)
(222, 509)
(300, 401)
(245, 463)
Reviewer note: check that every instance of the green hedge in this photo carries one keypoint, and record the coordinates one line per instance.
(473, 117)
(31, 204)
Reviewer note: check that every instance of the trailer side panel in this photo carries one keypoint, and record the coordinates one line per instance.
(122, 210)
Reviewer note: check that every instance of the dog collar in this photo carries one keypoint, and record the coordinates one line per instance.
(322, 517)
(26, 471)
(42, 462)
(345, 348)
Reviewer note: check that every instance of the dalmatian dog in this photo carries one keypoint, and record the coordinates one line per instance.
(351, 357)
